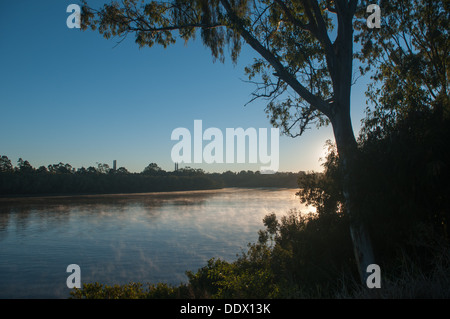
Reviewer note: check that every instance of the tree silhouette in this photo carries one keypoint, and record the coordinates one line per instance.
(152, 169)
(5, 164)
(24, 166)
(412, 55)
(304, 69)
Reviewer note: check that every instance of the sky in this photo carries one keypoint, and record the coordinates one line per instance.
(74, 97)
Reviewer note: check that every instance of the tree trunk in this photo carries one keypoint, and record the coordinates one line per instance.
(341, 73)
(347, 150)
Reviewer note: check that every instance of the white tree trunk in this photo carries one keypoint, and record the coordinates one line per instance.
(347, 150)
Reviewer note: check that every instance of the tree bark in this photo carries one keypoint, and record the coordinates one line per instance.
(341, 73)
(347, 150)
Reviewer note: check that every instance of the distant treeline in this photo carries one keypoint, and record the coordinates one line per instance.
(24, 179)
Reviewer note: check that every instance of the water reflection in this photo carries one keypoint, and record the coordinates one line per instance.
(123, 238)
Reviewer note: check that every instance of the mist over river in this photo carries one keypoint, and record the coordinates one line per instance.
(117, 239)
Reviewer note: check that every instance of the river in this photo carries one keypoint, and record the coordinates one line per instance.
(117, 239)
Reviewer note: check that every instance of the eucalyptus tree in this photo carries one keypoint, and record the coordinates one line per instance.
(304, 65)
(409, 60)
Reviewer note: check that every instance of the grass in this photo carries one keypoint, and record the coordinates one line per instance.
(411, 283)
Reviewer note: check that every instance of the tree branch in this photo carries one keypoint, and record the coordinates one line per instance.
(177, 27)
(322, 36)
(281, 71)
(352, 6)
(292, 19)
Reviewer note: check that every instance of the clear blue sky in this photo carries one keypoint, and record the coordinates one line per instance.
(71, 96)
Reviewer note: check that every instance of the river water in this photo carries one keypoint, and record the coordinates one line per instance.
(117, 239)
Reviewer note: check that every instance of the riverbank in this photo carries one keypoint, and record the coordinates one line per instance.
(32, 184)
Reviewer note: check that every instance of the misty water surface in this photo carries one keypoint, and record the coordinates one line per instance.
(117, 239)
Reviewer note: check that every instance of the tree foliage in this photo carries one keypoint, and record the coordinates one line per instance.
(302, 45)
(408, 59)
